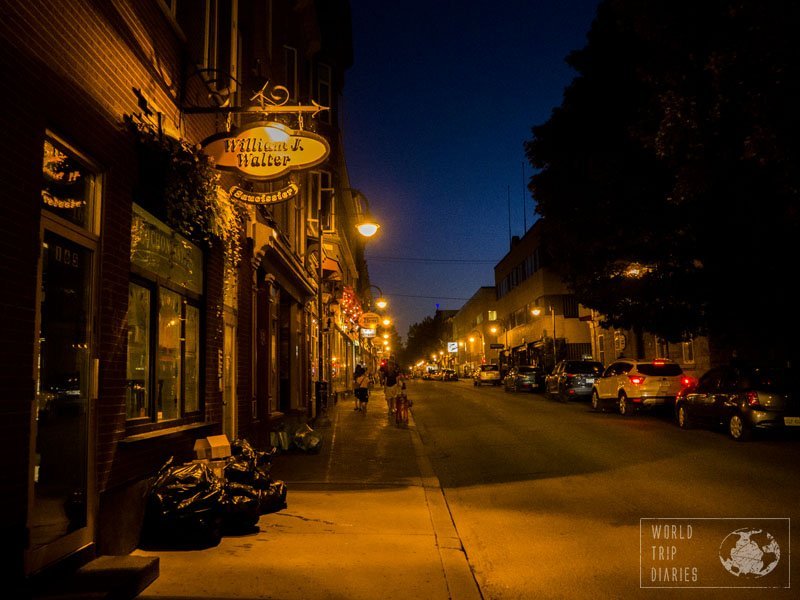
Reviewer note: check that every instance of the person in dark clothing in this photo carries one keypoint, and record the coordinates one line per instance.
(391, 382)
(361, 388)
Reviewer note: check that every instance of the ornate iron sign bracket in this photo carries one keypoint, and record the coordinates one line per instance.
(270, 99)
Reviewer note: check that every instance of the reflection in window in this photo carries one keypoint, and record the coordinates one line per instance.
(68, 186)
(688, 351)
(169, 355)
(192, 353)
(171, 388)
(138, 351)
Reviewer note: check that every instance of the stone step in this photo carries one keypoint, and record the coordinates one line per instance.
(106, 577)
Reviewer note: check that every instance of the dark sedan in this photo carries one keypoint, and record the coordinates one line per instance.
(523, 379)
(573, 379)
(742, 399)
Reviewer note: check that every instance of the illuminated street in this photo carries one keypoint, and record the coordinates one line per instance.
(547, 497)
(241, 237)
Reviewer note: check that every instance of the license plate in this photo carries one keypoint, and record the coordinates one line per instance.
(791, 421)
(590, 380)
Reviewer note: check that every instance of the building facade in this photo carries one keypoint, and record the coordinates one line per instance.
(145, 305)
(538, 321)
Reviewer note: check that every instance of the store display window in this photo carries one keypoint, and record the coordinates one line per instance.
(164, 323)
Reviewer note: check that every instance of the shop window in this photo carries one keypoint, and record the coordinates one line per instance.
(662, 348)
(164, 335)
(688, 351)
(138, 351)
(68, 187)
(65, 365)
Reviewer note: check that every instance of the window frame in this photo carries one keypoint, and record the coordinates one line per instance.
(150, 418)
(324, 90)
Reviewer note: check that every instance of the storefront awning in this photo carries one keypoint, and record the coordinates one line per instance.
(332, 268)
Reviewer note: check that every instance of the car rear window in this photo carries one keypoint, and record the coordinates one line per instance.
(526, 369)
(490, 368)
(660, 369)
(579, 366)
(768, 380)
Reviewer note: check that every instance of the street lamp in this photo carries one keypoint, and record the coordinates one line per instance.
(321, 385)
(380, 301)
(536, 311)
(366, 225)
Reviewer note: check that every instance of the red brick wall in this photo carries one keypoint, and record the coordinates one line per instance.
(71, 67)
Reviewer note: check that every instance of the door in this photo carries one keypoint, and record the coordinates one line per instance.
(60, 515)
(229, 405)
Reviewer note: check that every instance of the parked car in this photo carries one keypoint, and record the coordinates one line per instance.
(742, 399)
(486, 374)
(630, 384)
(523, 378)
(573, 378)
(449, 375)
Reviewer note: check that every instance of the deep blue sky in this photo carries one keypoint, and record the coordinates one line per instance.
(437, 105)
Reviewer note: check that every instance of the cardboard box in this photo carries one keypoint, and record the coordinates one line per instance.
(214, 446)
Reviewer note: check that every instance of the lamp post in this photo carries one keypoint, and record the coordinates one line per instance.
(536, 311)
(367, 228)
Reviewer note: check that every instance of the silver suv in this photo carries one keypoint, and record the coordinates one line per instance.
(632, 384)
(486, 374)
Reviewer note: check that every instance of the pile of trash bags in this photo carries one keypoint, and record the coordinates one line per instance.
(189, 506)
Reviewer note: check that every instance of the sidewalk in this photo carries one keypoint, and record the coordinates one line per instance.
(366, 519)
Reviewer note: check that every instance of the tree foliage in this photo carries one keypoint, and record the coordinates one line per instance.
(668, 176)
(426, 337)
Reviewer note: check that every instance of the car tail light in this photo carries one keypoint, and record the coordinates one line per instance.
(752, 400)
(636, 379)
(686, 381)
(569, 375)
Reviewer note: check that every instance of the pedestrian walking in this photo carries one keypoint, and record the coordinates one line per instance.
(391, 377)
(361, 388)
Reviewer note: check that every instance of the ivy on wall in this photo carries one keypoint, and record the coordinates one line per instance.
(179, 184)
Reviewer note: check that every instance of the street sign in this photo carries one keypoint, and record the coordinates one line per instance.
(368, 333)
(369, 320)
(452, 347)
(496, 346)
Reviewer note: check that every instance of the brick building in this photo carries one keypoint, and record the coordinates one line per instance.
(130, 329)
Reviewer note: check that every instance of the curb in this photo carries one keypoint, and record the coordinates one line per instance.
(461, 582)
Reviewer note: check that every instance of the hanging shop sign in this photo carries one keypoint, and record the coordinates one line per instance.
(369, 320)
(368, 333)
(266, 150)
(281, 195)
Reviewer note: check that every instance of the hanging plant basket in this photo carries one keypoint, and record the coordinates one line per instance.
(179, 184)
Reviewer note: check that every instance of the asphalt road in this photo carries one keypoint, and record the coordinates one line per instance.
(553, 500)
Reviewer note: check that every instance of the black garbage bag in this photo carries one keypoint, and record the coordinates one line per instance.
(273, 498)
(241, 447)
(240, 470)
(306, 439)
(261, 478)
(241, 508)
(183, 507)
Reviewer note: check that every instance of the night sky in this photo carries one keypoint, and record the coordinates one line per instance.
(437, 105)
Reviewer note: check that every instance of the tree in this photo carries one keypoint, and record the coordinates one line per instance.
(426, 337)
(666, 177)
